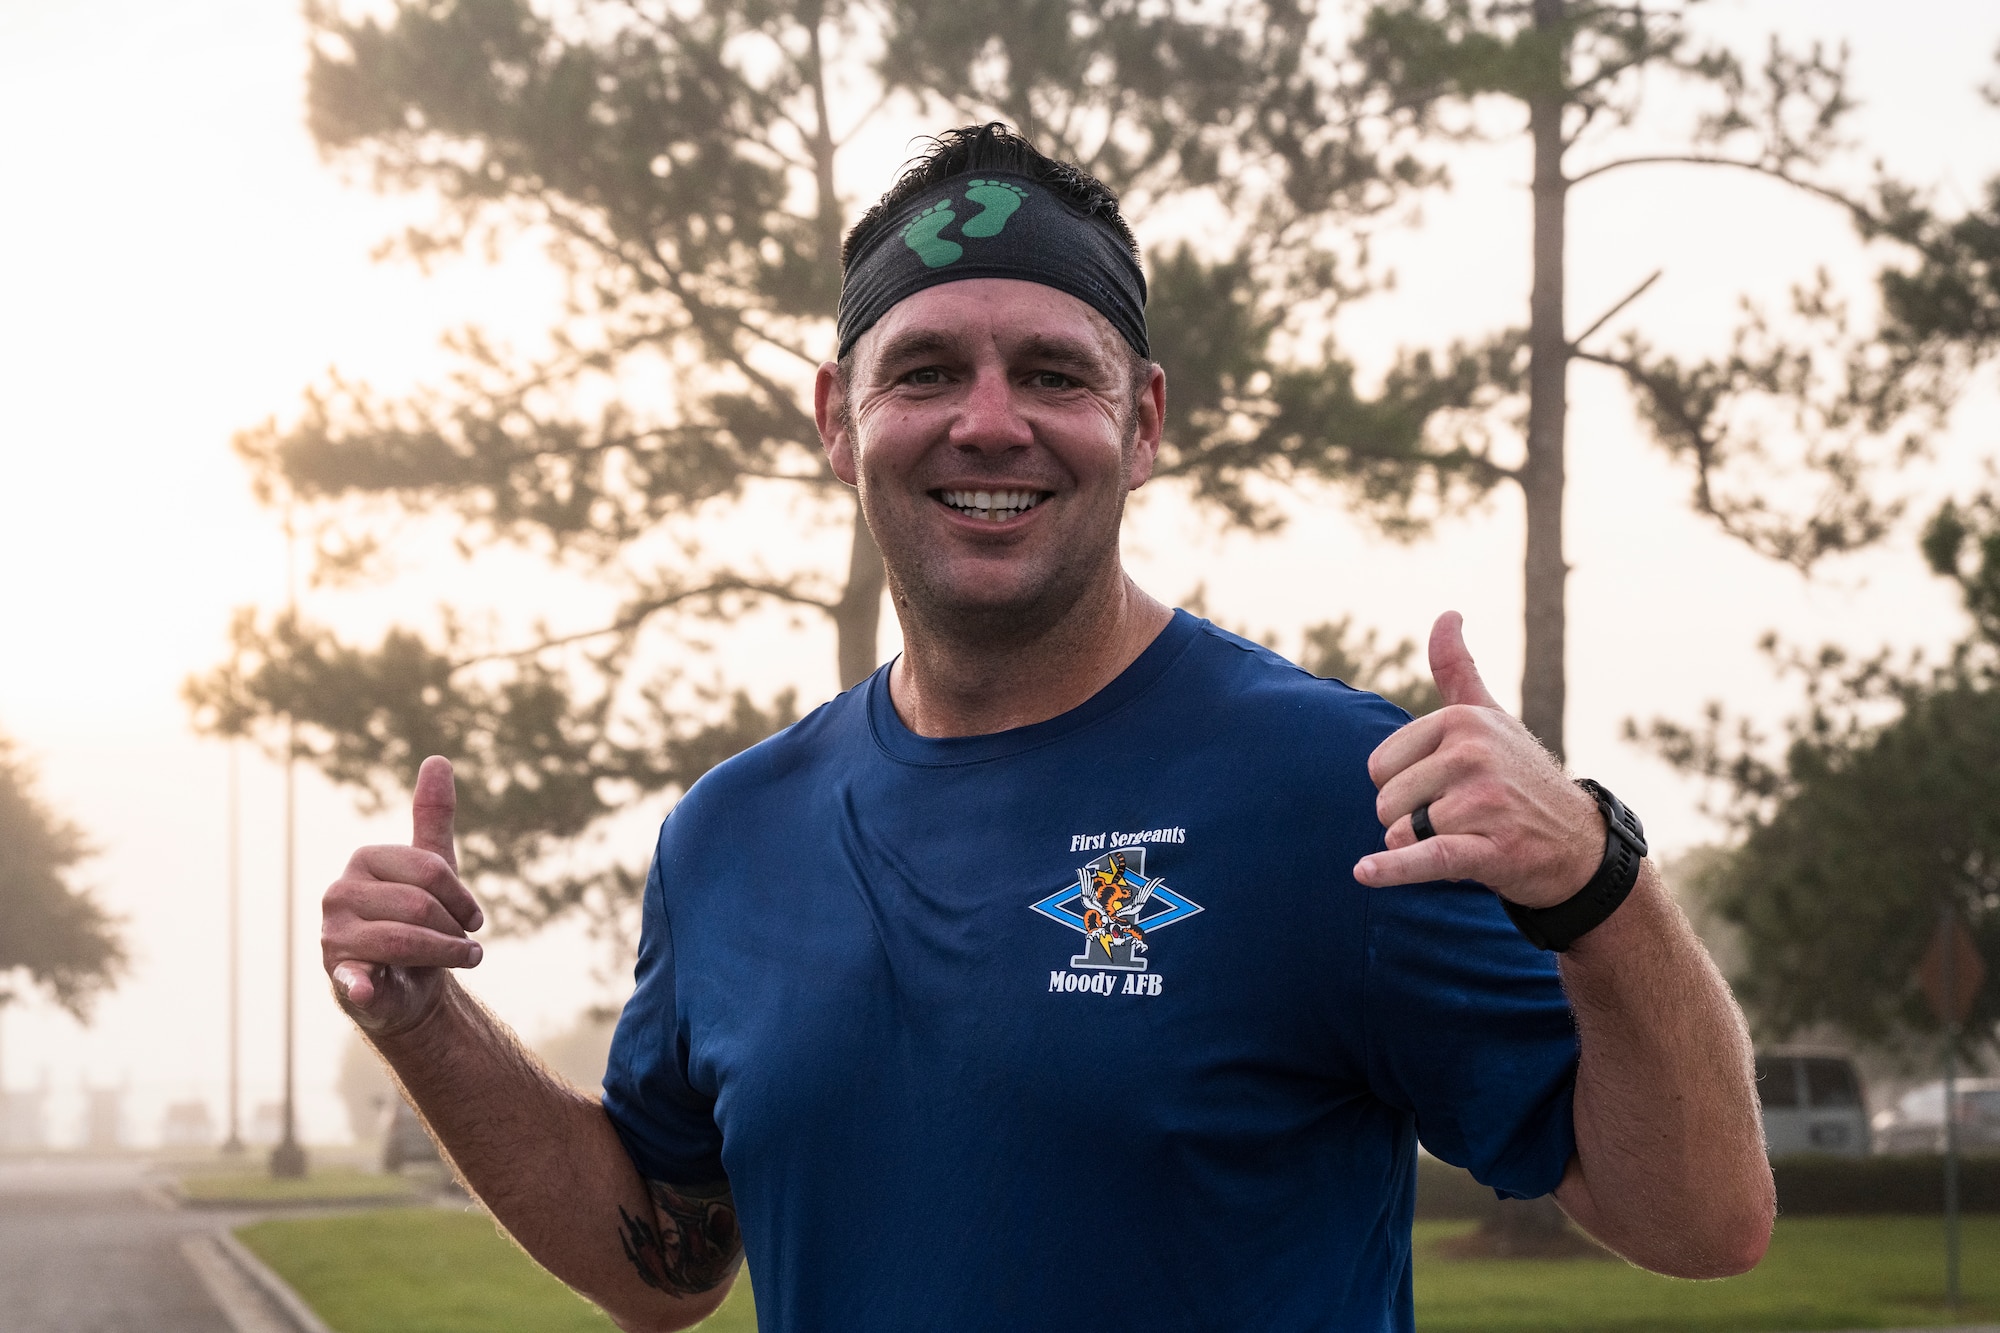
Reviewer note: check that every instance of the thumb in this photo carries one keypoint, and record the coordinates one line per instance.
(432, 809)
(1452, 667)
(354, 981)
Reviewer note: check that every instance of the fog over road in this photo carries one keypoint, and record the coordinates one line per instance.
(83, 1250)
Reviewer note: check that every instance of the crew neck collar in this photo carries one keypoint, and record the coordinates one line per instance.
(899, 742)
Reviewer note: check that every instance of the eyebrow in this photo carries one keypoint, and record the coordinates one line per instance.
(1055, 349)
(917, 343)
(1072, 353)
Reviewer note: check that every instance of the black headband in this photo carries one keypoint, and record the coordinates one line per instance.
(994, 225)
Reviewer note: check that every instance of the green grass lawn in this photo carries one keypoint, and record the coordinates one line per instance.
(432, 1271)
(426, 1270)
(253, 1186)
(1820, 1273)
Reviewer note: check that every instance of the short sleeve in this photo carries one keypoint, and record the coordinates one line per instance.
(1468, 1028)
(667, 1126)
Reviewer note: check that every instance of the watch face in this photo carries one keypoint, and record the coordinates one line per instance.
(1618, 816)
(1630, 829)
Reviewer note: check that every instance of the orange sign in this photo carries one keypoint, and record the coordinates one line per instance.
(1968, 970)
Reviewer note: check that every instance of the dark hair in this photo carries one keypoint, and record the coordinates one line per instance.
(995, 146)
(992, 147)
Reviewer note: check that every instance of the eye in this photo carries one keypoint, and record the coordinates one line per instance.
(927, 375)
(1053, 379)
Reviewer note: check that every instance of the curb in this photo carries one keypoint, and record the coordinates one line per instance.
(253, 1298)
(274, 1287)
(170, 1196)
(348, 1203)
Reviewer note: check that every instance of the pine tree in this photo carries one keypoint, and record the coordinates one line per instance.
(1881, 800)
(54, 935)
(1572, 77)
(684, 166)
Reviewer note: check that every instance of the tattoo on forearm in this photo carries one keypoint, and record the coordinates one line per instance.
(690, 1244)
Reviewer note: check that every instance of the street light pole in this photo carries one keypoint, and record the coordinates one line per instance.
(1948, 937)
(288, 1159)
(233, 1145)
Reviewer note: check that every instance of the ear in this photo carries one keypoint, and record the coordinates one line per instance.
(831, 416)
(1152, 410)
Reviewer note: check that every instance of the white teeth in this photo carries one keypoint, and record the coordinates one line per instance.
(994, 506)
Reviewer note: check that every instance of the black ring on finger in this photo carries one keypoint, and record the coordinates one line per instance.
(1420, 822)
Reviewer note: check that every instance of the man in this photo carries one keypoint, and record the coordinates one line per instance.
(1062, 975)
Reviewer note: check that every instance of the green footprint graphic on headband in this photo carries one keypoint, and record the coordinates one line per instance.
(997, 200)
(921, 235)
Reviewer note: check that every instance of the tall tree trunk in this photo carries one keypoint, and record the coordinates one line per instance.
(1536, 1228)
(1545, 571)
(857, 618)
(858, 615)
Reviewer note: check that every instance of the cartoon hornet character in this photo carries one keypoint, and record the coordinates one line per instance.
(1116, 897)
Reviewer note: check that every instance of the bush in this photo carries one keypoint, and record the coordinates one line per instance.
(1807, 1187)
(1826, 1186)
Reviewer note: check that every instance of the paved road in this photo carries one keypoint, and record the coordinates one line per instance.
(82, 1250)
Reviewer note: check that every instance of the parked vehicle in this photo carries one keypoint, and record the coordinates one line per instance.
(1812, 1103)
(1916, 1123)
(404, 1139)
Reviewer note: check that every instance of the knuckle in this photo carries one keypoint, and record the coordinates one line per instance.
(365, 858)
(1482, 795)
(1477, 747)
(420, 908)
(343, 889)
(388, 943)
(336, 944)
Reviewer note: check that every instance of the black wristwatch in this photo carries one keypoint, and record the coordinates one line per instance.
(1556, 928)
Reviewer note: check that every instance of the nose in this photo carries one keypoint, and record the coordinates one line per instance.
(990, 420)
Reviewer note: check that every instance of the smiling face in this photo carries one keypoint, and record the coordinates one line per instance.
(993, 429)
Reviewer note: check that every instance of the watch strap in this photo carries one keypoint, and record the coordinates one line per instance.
(1556, 928)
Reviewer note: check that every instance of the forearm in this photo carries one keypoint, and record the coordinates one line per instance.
(1670, 1168)
(545, 1160)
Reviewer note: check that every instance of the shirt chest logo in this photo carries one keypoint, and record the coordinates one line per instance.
(1117, 909)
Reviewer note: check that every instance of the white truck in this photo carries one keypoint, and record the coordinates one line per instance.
(1812, 1103)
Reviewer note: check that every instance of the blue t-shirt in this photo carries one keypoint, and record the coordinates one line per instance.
(1081, 1025)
